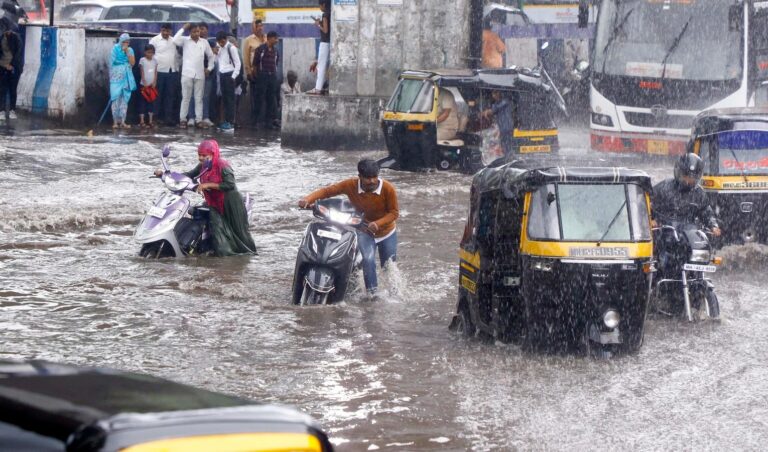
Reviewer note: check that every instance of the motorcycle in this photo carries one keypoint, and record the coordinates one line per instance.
(328, 254)
(685, 258)
(177, 225)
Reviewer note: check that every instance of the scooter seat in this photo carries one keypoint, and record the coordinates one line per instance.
(451, 143)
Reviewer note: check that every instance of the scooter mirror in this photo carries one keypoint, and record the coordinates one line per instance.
(166, 150)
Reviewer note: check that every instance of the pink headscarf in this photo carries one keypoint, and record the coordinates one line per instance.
(214, 198)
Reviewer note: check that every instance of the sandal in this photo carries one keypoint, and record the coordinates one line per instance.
(182, 125)
(125, 126)
(314, 91)
(115, 126)
(143, 125)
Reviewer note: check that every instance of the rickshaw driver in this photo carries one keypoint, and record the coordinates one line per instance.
(377, 200)
(447, 116)
(501, 111)
(675, 196)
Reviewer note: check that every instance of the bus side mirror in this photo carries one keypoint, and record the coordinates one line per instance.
(583, 13)
(735, 17)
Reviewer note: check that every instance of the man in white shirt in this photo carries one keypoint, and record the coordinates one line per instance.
(193, 72)
(168, 77)
(229, 69)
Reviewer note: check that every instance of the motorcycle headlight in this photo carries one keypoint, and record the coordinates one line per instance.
(700, 256)
(175, 185)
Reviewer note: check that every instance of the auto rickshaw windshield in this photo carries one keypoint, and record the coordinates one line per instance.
(412, 96)
(739, 152)
(589, 213)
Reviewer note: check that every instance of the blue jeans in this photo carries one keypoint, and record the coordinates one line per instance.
(387, 250)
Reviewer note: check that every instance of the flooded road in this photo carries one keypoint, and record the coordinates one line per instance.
(378, 376)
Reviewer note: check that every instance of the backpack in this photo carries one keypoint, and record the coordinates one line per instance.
(241, 75)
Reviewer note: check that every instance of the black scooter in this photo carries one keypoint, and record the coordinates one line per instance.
(328, 254)
(685, 256)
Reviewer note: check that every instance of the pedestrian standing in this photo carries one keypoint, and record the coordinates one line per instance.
(266, 60)
(10, 72)
(324, 50)
(121, 80)
(210, 80)
(148, 97)
(250, 44)
(229, 69)
(168, 76)
(193, 72)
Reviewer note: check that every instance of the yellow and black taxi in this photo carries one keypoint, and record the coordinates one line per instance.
(733, 144)
(412, 130)
(51, 407)
(557, 258)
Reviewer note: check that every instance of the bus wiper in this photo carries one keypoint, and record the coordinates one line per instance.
(672, 48)
(610, 225)
(741, 168)
(616, 29)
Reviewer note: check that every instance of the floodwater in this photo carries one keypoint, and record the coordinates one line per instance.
(384, 375)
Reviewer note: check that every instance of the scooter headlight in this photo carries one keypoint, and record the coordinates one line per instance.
(176, 185)
(701, 256)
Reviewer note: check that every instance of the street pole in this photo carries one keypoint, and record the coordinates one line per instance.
(233, 15)
(50, 13)
(475, 33)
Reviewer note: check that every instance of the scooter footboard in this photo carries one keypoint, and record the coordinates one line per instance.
(320, 279)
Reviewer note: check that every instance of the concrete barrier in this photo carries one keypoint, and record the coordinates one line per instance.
(332, 122)
(53, 81)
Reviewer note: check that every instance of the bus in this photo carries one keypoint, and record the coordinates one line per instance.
(655, 64)
(289, 18)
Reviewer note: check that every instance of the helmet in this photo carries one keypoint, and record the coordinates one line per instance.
(689, 165)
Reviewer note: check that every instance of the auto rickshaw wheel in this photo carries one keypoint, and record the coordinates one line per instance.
(444, 165)
(594, 349)
(464, 325)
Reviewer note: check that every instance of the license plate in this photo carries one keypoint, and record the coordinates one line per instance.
(329, 234)
(700, 268)
(658, 147)
(157, 212)
(532, 149)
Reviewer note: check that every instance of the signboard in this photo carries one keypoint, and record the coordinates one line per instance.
(345, 10)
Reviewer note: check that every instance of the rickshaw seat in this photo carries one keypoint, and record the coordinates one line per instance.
(453, 143)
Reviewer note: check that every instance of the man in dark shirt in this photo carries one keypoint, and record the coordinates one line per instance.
(266, 60)
(501, 111)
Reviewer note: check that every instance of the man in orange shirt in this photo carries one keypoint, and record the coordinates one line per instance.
(494, 49)
(377, 200)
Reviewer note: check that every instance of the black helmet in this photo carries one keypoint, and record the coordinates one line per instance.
(689, 165)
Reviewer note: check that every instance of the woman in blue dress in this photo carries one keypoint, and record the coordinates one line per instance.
(121, 80)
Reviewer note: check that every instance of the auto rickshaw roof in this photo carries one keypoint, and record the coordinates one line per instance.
(515, 177)
(714, 121)
(513, 78)
(57, 400)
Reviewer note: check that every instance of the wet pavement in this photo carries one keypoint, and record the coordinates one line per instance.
(379, 376)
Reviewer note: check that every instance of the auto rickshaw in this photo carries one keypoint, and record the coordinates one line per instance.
(52, 407)
(557, 258)
(409, 120)
(734, 146)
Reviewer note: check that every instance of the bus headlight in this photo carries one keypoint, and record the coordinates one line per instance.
(602, 120)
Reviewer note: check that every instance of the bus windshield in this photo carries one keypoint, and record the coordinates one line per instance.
(589, 213)
(743, 152)
(638, 38)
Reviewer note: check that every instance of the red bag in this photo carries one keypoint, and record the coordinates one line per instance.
(149, 93)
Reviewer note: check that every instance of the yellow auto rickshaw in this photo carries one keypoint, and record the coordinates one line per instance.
(557, 258)
(734, 146)
(411, 121)
(54, 407)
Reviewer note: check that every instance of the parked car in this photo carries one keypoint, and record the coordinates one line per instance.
(136, 12)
